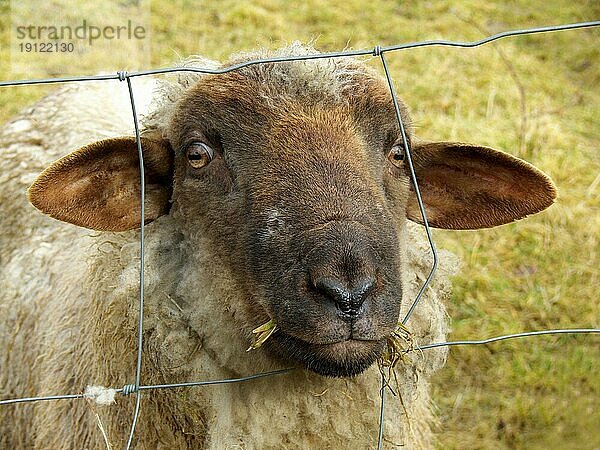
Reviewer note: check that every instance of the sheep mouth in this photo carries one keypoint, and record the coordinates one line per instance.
(343, 358)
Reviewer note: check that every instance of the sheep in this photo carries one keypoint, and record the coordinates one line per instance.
(274, 192)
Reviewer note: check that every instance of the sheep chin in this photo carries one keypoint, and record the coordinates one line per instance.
(347, 358)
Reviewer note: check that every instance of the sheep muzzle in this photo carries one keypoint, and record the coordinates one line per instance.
(337, 300)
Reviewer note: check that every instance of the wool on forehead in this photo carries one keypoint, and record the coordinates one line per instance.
(315, 81)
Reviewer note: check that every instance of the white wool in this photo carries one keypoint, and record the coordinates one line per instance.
(101, 395)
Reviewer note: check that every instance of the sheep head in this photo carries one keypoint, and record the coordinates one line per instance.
(301, 184)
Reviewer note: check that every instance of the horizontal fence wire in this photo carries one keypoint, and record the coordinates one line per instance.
(128, 389)
(377, 51)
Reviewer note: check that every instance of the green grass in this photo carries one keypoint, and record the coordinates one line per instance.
(540, 273)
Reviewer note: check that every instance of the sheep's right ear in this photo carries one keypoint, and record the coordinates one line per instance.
(98, 186)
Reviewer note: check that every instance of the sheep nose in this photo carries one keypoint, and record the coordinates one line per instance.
(348, 301)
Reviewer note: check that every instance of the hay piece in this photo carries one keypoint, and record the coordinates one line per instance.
(262, 333)
(398, 344)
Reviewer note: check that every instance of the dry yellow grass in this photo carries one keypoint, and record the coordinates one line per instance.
(536, 97)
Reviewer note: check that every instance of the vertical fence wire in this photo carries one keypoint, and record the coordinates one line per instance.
(138, 368)
(415, 186)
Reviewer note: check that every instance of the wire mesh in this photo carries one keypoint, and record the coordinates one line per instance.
(377, 51)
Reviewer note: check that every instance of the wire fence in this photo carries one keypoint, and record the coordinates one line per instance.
(378, 52)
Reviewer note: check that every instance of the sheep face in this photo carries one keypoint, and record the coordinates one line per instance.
(296, 195)
(304, 191)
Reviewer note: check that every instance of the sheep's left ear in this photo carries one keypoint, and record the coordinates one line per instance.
(98, 186)
(466, 187)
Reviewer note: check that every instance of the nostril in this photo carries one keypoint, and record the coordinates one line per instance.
(347, 300)
(363, 288)
(333, 289)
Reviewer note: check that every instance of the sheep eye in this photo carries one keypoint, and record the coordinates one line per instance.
(396, 155)
(199, 154)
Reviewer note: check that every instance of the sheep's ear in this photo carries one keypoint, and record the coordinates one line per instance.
(466, 187)
(98, 186)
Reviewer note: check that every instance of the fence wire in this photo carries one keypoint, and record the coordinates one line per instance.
(377, 51)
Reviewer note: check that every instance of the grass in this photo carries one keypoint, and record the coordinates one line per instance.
(534, 96)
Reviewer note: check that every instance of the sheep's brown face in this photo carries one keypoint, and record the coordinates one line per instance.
(322, 244)
(298, 191)
(304, 194)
